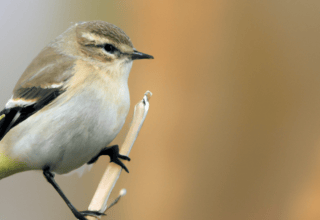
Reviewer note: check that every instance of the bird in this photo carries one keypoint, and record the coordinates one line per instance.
(69, 104)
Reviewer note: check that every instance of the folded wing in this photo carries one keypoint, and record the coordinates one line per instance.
(42, 82)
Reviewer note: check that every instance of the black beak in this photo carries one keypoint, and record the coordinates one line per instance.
(138, 55)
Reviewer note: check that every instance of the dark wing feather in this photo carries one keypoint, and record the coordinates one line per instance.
(35, 86)
(15, 115)
(7, 116)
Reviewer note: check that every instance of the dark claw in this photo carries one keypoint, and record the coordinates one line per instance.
(119, 162)
(79, 216)
(92, 213)
(113, 153)
(123, 157)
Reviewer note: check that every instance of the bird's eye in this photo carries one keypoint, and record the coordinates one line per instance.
(110, 48)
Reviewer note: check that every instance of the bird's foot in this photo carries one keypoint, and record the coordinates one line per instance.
(113, 152)
(79, 215)
(91, 213)
(114, 155)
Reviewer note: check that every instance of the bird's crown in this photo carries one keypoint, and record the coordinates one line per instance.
(101, 32)
(99, 40)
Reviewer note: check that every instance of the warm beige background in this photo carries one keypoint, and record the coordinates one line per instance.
(233, 130)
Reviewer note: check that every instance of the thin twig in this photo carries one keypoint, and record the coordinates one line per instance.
(121, 194)
(112, 173)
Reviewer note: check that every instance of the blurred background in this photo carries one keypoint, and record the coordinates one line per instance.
(233, 130)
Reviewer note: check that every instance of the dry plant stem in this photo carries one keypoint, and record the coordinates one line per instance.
(112, 173)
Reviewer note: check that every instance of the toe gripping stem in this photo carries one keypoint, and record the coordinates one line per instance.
(115, 156)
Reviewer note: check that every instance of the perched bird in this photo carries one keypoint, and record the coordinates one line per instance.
(69, 104)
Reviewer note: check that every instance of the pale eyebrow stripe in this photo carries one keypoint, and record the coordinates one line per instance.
(88, 36)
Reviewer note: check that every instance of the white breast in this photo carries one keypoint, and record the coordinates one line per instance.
(69, 133)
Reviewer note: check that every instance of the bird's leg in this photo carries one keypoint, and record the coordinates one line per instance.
(79, 215)
(113, 152)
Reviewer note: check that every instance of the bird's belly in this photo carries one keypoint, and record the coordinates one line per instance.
(68, 135)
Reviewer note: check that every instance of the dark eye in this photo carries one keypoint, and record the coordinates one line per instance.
(110, 48)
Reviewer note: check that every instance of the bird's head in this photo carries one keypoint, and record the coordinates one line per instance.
(106, 42)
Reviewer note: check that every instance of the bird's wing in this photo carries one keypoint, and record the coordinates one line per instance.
(42, 82)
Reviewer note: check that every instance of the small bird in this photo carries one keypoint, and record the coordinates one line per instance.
(69, 104)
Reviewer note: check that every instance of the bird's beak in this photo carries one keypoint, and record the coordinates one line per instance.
(136, 55)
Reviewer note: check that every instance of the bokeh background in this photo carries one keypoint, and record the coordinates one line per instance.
(233, 130)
